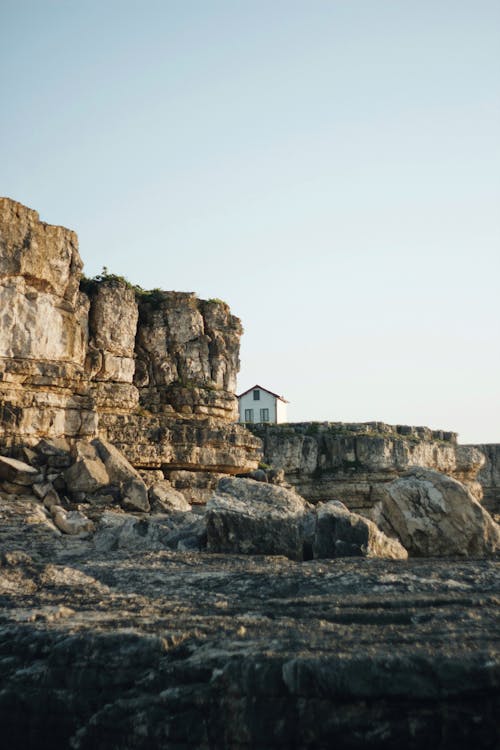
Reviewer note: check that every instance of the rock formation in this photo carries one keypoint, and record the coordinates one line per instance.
(435, 516)
(489, 477)
(248, 517)
(117, 627)
(347, 462)
(118, 641)
(154, 373)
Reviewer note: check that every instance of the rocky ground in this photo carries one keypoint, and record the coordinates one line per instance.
(140, 648)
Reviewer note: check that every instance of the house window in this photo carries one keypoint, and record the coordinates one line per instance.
(264, 415)
(248, 415)
(256, 395)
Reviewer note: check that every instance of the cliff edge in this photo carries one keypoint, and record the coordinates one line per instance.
(153, 372)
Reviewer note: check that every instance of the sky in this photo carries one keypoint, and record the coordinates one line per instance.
(331, 169)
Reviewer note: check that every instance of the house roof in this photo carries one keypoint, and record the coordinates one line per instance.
(254, 387)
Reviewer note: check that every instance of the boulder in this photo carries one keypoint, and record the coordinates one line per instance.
(340, 533)
(135, 496)
(249, 517)
(118, 468)
(18, 472)
(163, 494)
(434, 515)
(88, 474)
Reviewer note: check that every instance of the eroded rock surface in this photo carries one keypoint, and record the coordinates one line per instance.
(250, 517)
(489, 477)
(80, 358)
(339, 533)
(103, 648)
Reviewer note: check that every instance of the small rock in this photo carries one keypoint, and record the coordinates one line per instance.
(135, 496)
(51, 498)
(71, 522)
(40, 489)
(169, 499)
(18, 472)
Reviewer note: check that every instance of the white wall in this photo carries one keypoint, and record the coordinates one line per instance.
(281, 411)
(266, 401)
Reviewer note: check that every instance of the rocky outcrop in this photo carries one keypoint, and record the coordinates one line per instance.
(346, 462)
(435, 516)
(153, 372)
(122, 641)
(248, 517)
(489, 477)
(340, 533)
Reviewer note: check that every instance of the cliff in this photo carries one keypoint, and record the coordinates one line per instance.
(341, 461)
(153, 372)
(489, 477)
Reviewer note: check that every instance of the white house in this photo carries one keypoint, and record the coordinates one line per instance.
(260, 405)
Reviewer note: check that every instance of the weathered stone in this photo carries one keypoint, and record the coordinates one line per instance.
(195, 650)
(55, 453)
(169, 499)
(119, 470)
(196, 486)
(151, 476)
(51, 498)
(71, 522)
(68, 359)
(340, 533)
(187, 355)
(249, 517)
(87, 474)
(135, 495)
(41, 489)
(340, 461)
(158, 531)
(17, 472)
(47, 256)
(435, 516)
(489, 477)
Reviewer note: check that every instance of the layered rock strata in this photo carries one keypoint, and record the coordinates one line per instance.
(154, 372)
(489, 477)
(346, 462)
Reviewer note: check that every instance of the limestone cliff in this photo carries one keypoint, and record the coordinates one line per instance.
(339, 461)
(489, 476)
(153, 372)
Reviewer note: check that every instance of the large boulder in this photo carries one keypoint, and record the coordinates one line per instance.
(249, 517)
(118, 468)
(340, 533)
(434, 515)
(88, 474)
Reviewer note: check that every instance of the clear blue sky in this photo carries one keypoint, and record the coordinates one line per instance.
(331, 169)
